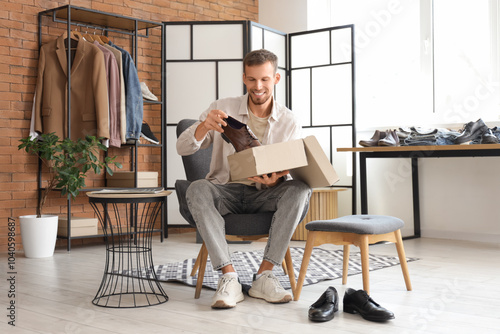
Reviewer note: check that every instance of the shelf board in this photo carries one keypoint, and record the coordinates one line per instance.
(93, 17)
(151, 102)
(101, 234)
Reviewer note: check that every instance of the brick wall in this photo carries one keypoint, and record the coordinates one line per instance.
(18, 68)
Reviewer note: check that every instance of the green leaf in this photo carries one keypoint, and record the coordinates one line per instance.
(68, 161)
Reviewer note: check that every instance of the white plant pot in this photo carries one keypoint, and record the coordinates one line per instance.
(39, 235)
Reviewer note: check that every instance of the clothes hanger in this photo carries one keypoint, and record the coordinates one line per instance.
(98, 39)
(88, 37)
(73, 40)
(76, 35)
(104, 39)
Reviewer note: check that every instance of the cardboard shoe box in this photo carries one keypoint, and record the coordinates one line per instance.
(304, 158)
(265, 159)
(125, 179)
(79, 226)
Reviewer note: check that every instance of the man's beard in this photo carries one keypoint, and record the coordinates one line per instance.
(262, 101)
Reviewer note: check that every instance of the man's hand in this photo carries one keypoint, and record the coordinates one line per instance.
(269, 180)
(214, 121)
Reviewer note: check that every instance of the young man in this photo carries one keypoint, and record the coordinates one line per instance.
(215, 196)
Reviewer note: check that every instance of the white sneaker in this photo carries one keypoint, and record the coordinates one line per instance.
(146, 93)
(268, 287)
(229, 292)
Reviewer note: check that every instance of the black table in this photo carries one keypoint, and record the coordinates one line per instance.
(415, 153)
(127, 221)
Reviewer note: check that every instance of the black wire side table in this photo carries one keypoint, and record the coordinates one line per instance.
(127, 221)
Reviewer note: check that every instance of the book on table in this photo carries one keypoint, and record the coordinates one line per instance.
(145, 190)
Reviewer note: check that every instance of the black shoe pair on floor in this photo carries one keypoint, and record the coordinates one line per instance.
(355, 302)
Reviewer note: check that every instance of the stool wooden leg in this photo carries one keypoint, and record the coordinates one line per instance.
(345, 264)
(201, 270)
(305, 263)
(402, 259)
(291, 273)
(365, 262)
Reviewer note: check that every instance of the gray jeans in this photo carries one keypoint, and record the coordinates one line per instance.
(208, 202)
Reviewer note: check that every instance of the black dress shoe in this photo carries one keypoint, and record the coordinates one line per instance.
(239, 135)
(325, 307)
(359, 302)
(489, 138)
(471, 131)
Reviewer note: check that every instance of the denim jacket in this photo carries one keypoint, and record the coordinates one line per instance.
(134, 103)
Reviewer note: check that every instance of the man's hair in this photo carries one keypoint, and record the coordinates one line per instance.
(259, 57)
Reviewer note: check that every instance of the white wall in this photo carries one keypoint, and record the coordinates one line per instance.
(287, 16)
(291, 16)
(459, 197)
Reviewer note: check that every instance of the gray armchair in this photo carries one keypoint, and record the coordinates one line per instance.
(197, 166)
(238, 226)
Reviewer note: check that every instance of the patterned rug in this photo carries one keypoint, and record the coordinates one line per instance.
(323, 265)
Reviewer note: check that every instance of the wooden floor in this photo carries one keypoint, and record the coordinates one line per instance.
(456, 289)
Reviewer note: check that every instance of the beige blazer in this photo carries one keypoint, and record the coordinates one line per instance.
(89, 92)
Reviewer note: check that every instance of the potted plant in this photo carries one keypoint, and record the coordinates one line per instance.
(68, 162)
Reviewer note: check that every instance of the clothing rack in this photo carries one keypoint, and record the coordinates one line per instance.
(89, 18)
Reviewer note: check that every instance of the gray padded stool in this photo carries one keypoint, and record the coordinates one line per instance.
(358, 230)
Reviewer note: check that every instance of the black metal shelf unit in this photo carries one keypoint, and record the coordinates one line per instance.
(133, 27)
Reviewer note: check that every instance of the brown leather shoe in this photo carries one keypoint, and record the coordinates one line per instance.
(374, 140)
(239, 135)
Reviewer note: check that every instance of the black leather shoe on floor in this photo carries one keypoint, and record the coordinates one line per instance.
(239, 135)
(359, 302)
(325, 307)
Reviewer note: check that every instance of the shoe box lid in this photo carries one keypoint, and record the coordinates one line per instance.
(319, 172)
